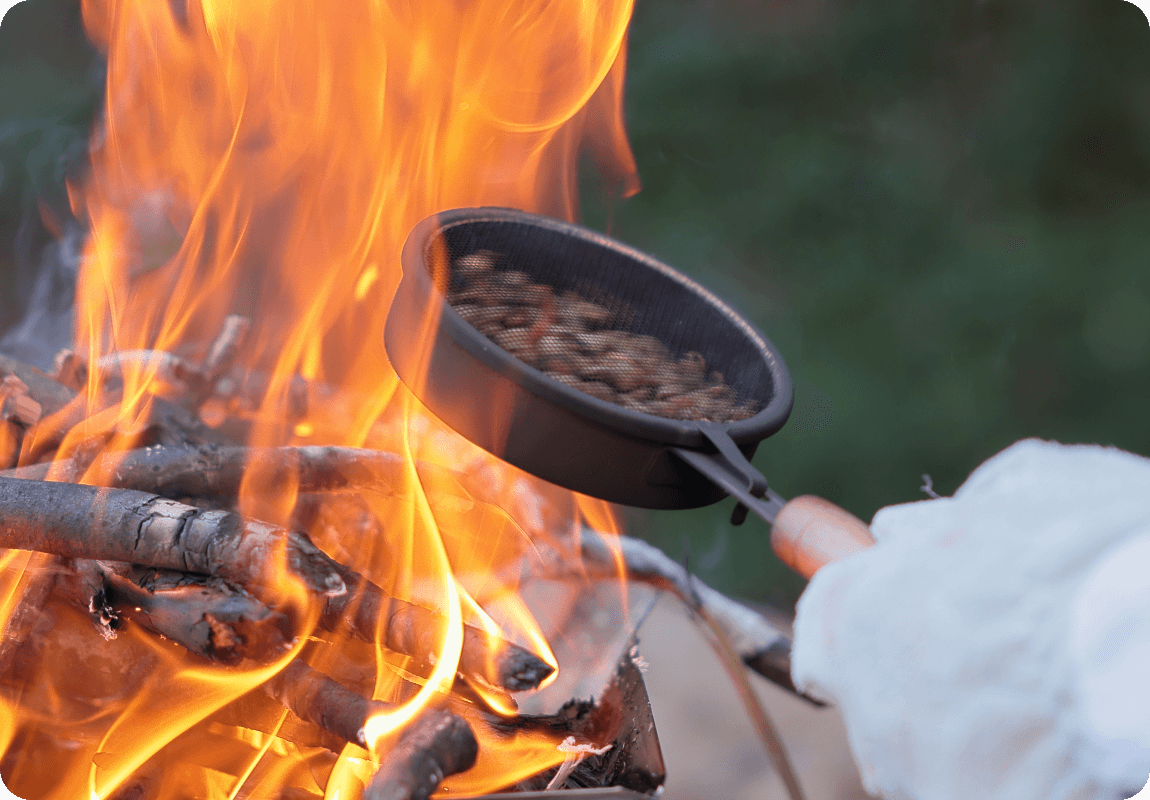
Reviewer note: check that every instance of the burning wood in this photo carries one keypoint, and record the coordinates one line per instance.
(414, 630)
(127, 526)
(206, 579)
(212, 471)
(316, 698)
(439, 743)
(85, 522)
(208, 616)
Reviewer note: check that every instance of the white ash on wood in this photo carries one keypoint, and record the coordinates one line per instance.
(87, 522)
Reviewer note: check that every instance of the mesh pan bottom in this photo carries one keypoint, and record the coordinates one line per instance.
(605, 322)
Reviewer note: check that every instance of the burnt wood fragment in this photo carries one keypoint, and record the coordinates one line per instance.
(209, 617)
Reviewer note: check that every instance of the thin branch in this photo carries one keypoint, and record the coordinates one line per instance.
(226, 347)
(316, 698)
(416, 631)
(759, 644)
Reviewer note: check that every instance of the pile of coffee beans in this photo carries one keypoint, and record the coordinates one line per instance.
(577, 342)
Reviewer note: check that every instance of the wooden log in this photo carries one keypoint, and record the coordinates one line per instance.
(437, 744)
(407, 628)
(214, 471)
(417, 631)
(316, 698)
(207, 616)
(87, 522)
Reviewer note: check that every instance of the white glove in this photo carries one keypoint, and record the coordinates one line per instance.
(996, 644)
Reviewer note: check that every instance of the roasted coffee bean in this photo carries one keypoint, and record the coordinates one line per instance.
(484, 318)
(536, 294)
(573, 308)
(510, 277)
(599, 342)
(618, 369)
(693, 368)
(514, 340)
(475, 264)
(521, 316)
(598, 389)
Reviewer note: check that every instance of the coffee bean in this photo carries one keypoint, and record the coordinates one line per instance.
(474, 264)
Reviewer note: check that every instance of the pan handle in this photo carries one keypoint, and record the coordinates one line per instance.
(806, 532)
(730, 470)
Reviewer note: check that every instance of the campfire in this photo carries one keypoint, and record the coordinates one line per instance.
(244, 560)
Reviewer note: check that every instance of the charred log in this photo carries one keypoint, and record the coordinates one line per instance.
(416, 631)
(316, 698)
(437, 744)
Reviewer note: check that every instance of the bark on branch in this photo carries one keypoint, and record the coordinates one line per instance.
(213, 471)
(417, 631)
(87, 522)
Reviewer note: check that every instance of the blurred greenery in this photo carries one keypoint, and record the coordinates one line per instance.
(935, 209)
(51, 82)
(938, 212)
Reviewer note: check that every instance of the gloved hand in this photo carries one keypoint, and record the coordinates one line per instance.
(996, 644)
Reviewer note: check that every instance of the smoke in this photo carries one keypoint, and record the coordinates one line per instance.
(46, 326)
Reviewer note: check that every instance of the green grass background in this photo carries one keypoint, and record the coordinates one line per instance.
(937, 210)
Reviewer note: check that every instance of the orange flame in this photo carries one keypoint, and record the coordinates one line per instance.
(268, 159)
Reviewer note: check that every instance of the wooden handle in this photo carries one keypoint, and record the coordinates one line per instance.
(809, 532)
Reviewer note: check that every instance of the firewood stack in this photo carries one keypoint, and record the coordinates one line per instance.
(147, 534)
(158, 544)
